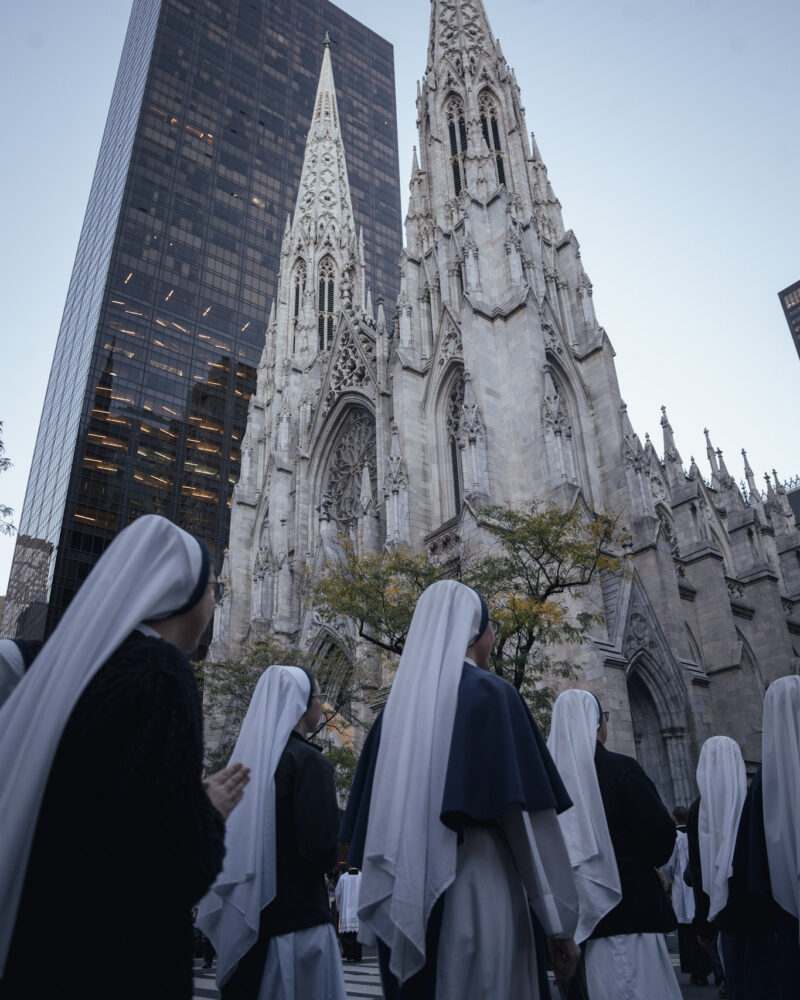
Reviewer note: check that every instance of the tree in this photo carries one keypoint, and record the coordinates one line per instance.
(536, 560)
(228, 688)
(6, 524)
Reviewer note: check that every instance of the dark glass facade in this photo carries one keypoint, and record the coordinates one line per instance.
(167, 308)
(790, 300)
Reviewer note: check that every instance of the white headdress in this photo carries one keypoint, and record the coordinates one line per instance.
(780, 778)
(572, 742)
(722, 782)
(151, 570)
(229, 913)
(409, 854)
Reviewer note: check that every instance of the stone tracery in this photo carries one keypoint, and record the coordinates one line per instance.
(355, 448)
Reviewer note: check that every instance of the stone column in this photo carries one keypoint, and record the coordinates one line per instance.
(683, 787)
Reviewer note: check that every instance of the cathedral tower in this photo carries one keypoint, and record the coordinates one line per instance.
(309, 456)
(496, 383)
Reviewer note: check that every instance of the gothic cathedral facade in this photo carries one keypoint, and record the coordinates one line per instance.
(494, 382)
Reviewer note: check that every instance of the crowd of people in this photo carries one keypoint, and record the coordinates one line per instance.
(481, 861)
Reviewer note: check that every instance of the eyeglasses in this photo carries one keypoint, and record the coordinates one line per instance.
(218, 590)
(495, 625)
(320, 694)
(605, 716)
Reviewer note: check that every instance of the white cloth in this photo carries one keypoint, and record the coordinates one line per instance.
(230, 911)
(572, 742)
(304, 965)
(151, 570)
(486, 945)
(630, 967)
(682, 894)
(347, 889)
(12, 667)
(722, 781)
(409, 854)
(780, 779)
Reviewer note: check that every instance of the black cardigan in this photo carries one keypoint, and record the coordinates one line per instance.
(126, 840)
(643, 836)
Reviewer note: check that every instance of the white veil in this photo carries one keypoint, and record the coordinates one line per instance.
(572, 742)
(151, 570)
(409, 854)
(780, 778)
(722, 782)
(230, 911)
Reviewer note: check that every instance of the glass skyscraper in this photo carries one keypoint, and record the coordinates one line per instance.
(790, 300)
(167, 308)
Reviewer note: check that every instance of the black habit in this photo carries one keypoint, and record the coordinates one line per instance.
(643, 836)
(767, 944)
(126, 840)
(306, 832)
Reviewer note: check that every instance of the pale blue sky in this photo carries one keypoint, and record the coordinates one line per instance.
(671, 136)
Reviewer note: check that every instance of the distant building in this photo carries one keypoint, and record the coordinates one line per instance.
(790, 300)
(166, 312)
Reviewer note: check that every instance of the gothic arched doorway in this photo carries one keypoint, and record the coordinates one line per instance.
(650, 749)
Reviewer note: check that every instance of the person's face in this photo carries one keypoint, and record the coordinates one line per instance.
(602, 732)
(198, 617)
(482, 649)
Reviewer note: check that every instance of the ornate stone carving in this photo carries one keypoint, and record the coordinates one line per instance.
(355, 448)
(668, 531)
(451, 345)
(353, 365)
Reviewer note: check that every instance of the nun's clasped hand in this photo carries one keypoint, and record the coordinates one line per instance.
(226, 787)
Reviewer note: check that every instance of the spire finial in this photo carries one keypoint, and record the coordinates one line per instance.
(327, 40)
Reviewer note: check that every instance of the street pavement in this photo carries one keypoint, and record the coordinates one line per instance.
(363, 980)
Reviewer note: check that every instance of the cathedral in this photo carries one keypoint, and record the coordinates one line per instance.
(490, 380)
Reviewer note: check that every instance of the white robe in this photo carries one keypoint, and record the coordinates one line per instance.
(304, 965)
(486, 944)
(682, 894)
(347, 901)
(630, 967)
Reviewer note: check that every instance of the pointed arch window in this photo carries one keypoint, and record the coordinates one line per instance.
(455, 407)
(491, 133)
(457, 131)
(297, 299)
(325, 315)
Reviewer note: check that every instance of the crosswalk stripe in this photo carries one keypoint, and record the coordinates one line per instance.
(362, 981)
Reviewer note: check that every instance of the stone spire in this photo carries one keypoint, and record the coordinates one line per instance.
(673, 462)
(324, 194)
(712, 459)
(459, 31)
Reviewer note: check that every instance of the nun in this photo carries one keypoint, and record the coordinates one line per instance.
(711, 827)
(452, 821)
(267, 913)
(109, 834)
(617, 833)
(766, 860)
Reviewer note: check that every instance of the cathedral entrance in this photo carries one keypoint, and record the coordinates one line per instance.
(651, 751)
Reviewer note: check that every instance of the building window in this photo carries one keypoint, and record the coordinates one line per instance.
(491, 133)
(325, 306)
(457, 130)
(297, 300)
(455, 406)
(355, 448)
